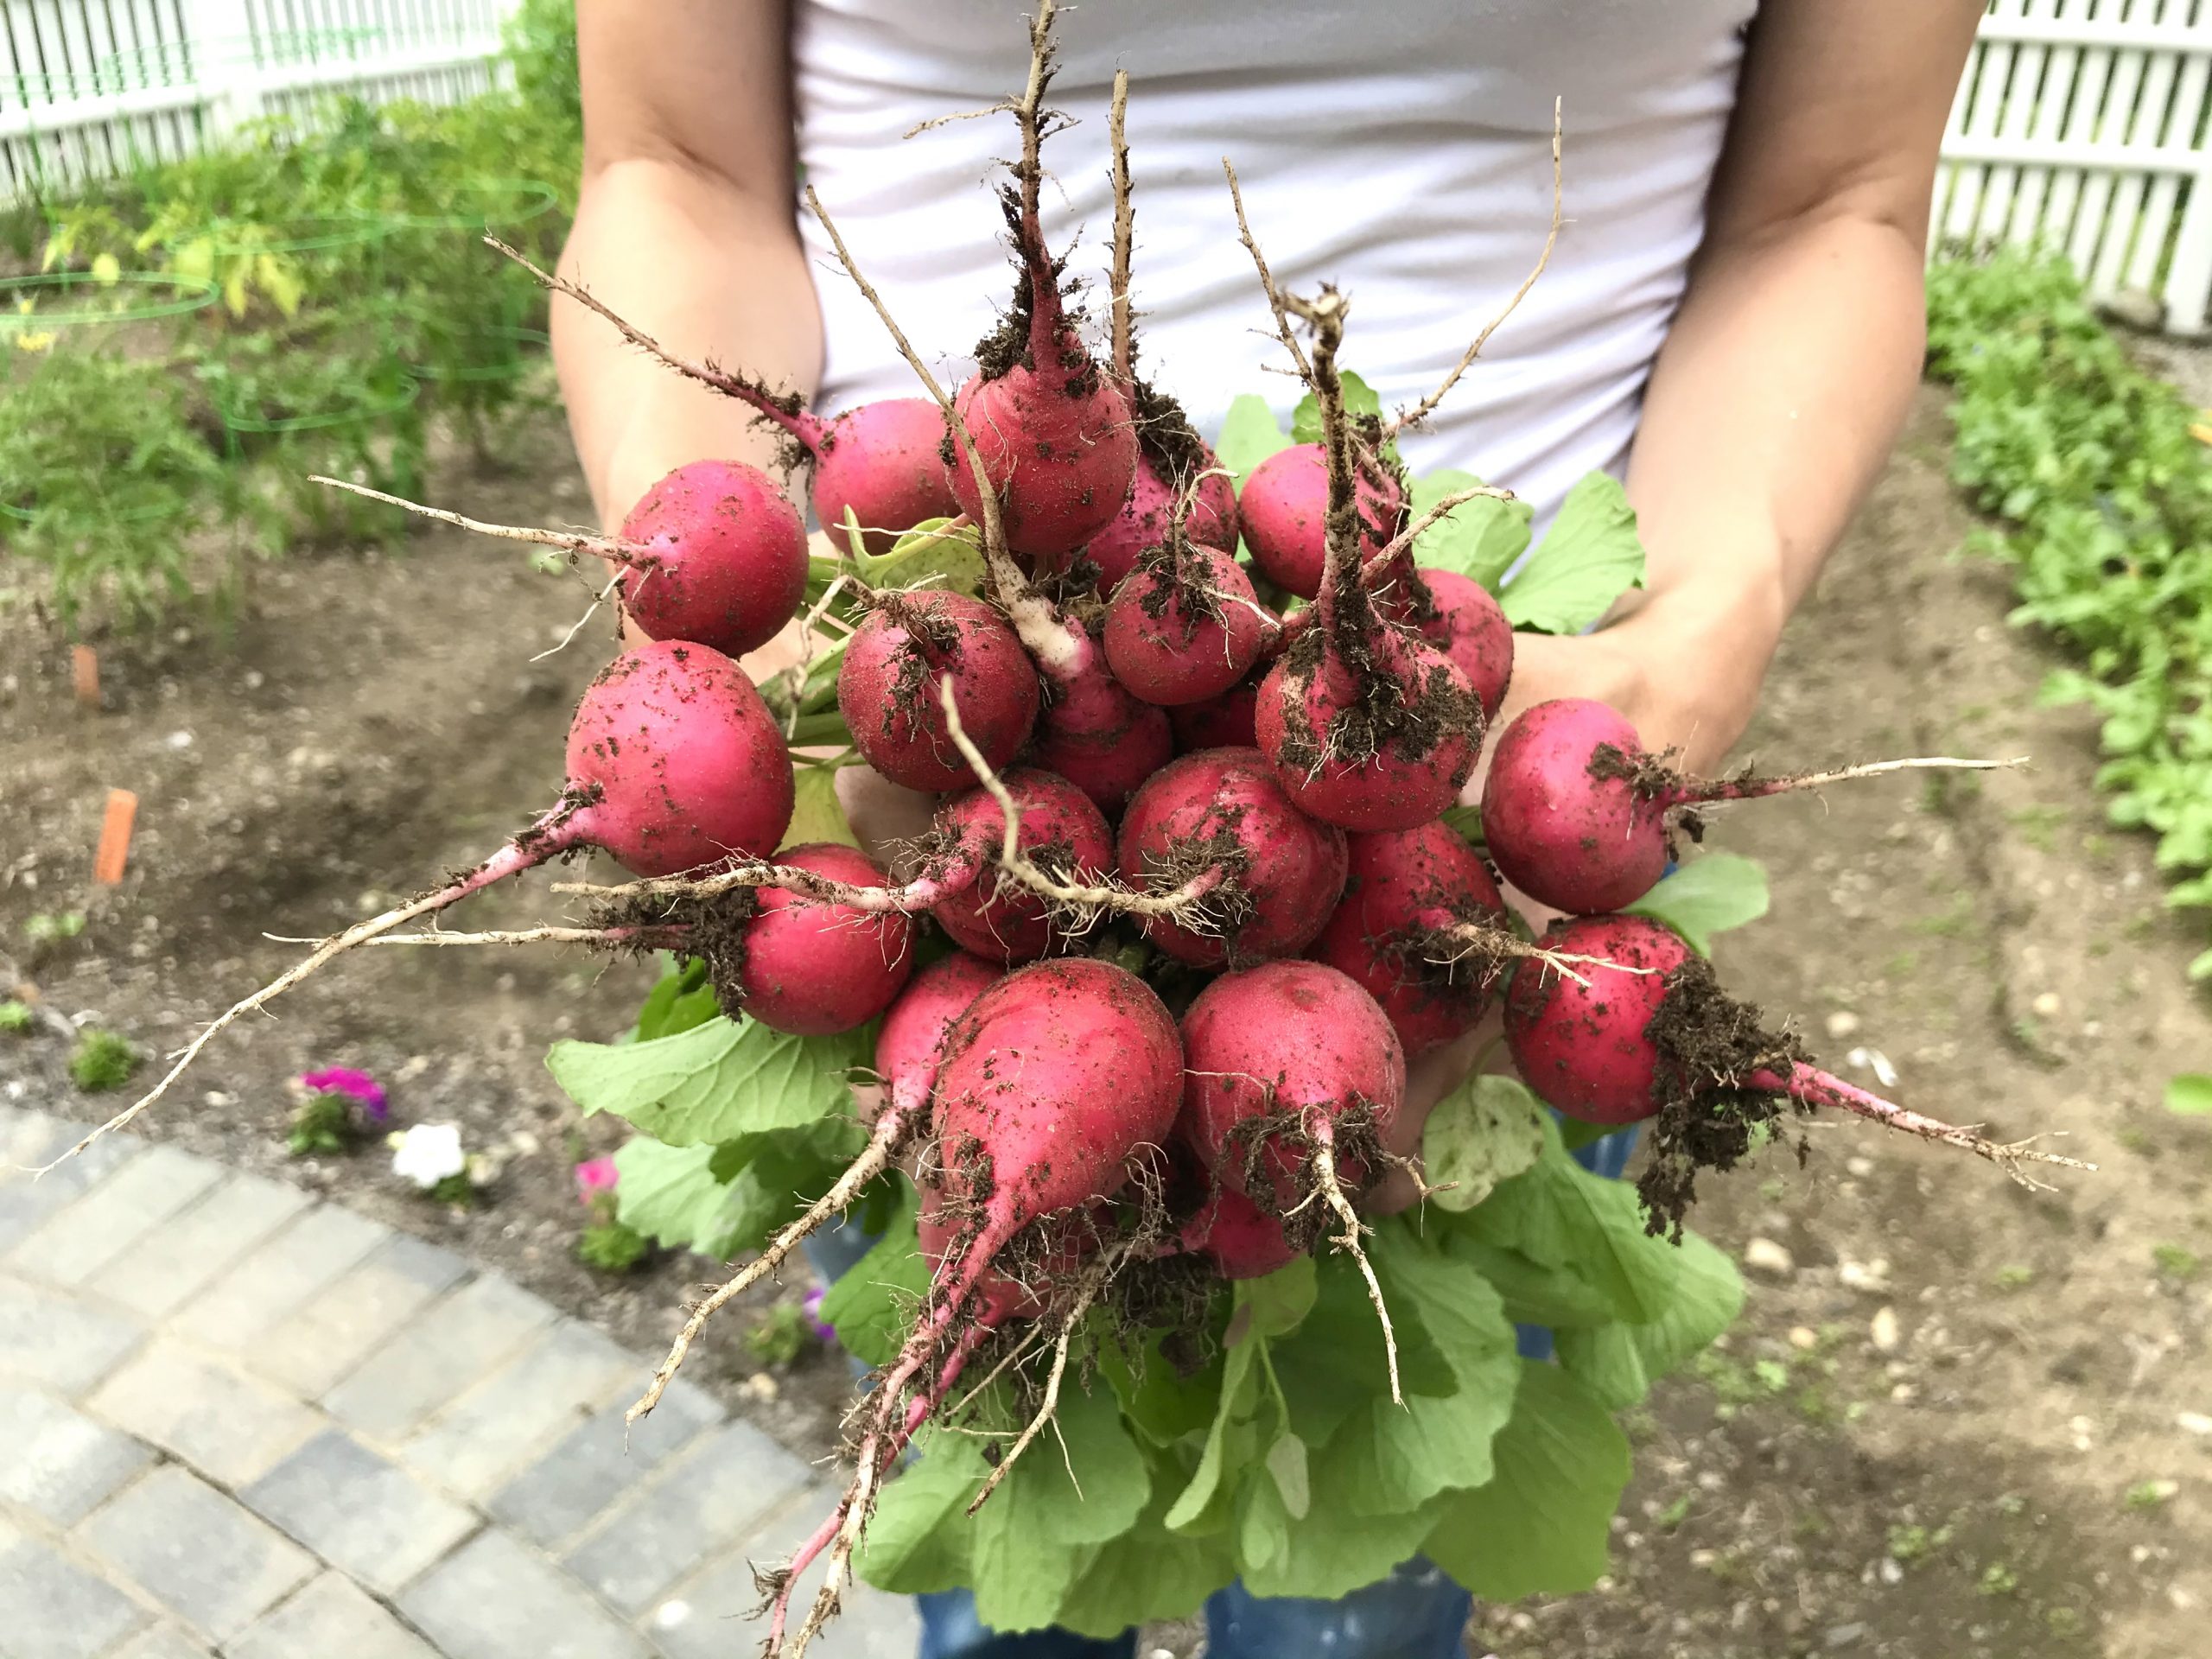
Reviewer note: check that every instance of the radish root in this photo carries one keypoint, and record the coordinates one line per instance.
(1332, 1193)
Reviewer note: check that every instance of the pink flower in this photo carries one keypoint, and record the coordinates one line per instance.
(811, 1308)
(596, 1176)
(366, 1092)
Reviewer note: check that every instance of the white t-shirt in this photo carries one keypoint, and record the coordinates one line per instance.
(1398, 148)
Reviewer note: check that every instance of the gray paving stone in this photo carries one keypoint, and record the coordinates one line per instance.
(595, 1464)
(494, 1599)
(545, 1391)
(24, 1137)
(710, 1616)
(47, 1337)
(366, 1517)
(332, 1618)
(73, 1244)
(175, 1260)
(27, 1202)
(316, 1344)
(54, 1609)
(196, 1552)
(56, 1461)
(230, 1425)
(249, 1300)
(718, 1491)
(439, 1354)
(165, 1642)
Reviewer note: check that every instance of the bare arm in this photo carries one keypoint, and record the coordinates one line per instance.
(1790, 368)
(685, 225)
(1780, 389)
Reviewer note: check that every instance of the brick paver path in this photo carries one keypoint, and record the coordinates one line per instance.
(237, 1420)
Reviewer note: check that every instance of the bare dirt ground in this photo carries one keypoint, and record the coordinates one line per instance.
(1960, 1419)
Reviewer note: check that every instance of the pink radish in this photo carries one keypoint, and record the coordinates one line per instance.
(1293, 1079)
(1185, 626)
(714, 554)
(1060, 828)
(1645, 1032)
(1069, 1241)
(1409, 892)
(1284, 509)
(1464, 621)
(907, 647)
(810, 968)
(882, 461)
(907, 1048)
(1099, 737)
(1222, 722)
(1150, 512)
(1240, 1239)
(1223, 808)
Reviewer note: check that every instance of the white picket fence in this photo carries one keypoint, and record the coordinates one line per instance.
(92, 88)
(2080, 125)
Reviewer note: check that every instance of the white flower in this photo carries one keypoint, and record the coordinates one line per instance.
(428, 1153)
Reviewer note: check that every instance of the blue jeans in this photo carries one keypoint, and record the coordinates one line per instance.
(1415, 1613)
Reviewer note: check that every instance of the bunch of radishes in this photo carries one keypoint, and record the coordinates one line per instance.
(1191, 858)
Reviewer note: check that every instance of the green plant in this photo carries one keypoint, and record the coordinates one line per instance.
(102, 1061)
(45, 927)
(2146, 1496)
(611, 1246)
(1997, 1579)
(780, 1335)
(14, 1015)
(323, 1122)
(2102, 503)
(2175, 1262)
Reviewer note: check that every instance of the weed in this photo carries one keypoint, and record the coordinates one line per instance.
(2038, 825)
(2013, 1277)
(1909, 1543)
(1997, 1579)
(2174, 1262)
(611, 1246)
(2146, 1496)
(39, 927)
(780, 1336)
(15, 1016)
(1674, 1514)
(102, 1061)
(1955, 920)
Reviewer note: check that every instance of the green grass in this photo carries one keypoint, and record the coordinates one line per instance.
(102, 1060)
(2175, 1262)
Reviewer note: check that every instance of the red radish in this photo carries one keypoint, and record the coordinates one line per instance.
(1222, 722)
(724, 561)
(1294, 1048)
(714, 555)
(1185, 626)
(884, 461)
(907, 1048)
(1408, 889)
(1241, 1240)
(1463, 621)
(1149, 513)
(1385, 745)
(1223, 808)
(888, 687)
(1293, 1080)
(810, 968)
(1068, 1243)
(1100, 738)
(1284, 507)
(674, 763)
(1653, 1036)
(1060, 828)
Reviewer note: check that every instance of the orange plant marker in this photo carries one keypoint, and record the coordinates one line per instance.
(115, 837)
(85, 669)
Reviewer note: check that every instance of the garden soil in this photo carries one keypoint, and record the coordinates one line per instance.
(1961, 1420)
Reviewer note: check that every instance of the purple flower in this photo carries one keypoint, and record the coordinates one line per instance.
(812, 1308)
(366, 1091)
(596, 1176)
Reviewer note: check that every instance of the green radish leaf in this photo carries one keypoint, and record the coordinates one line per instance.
(1487, 1130)
(1588, 560)
(669, 1194)
(770, 1176)
(679, 1000)
(1466, 823)
(1543, 1524)
(1287, 1464)
(872, 1305)
(1231, 1440)
(1248, 435)
(1708, 895)
(2190, 1094)
(1360, 398)
(1090, 1486)
(715, 1082)
(1477, 539)
(1274, 1304)
(1162, 1403)
(917, 1541)
(1557, 1298)
(1574, 1134)
(1335, 1549)
(1147, 1572)
(930, 556)
(1619, 1362)
(817, 814)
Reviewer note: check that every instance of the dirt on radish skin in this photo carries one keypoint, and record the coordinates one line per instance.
(1565, 828)
(1169, 454)
(1467, 624)
(1225, 808)
(887, 688)
(1284, 508)
(804, 965)
(1405, 888)
(1275, 1056)
(1061, 831)
(912, 1037)
(1185, 626)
